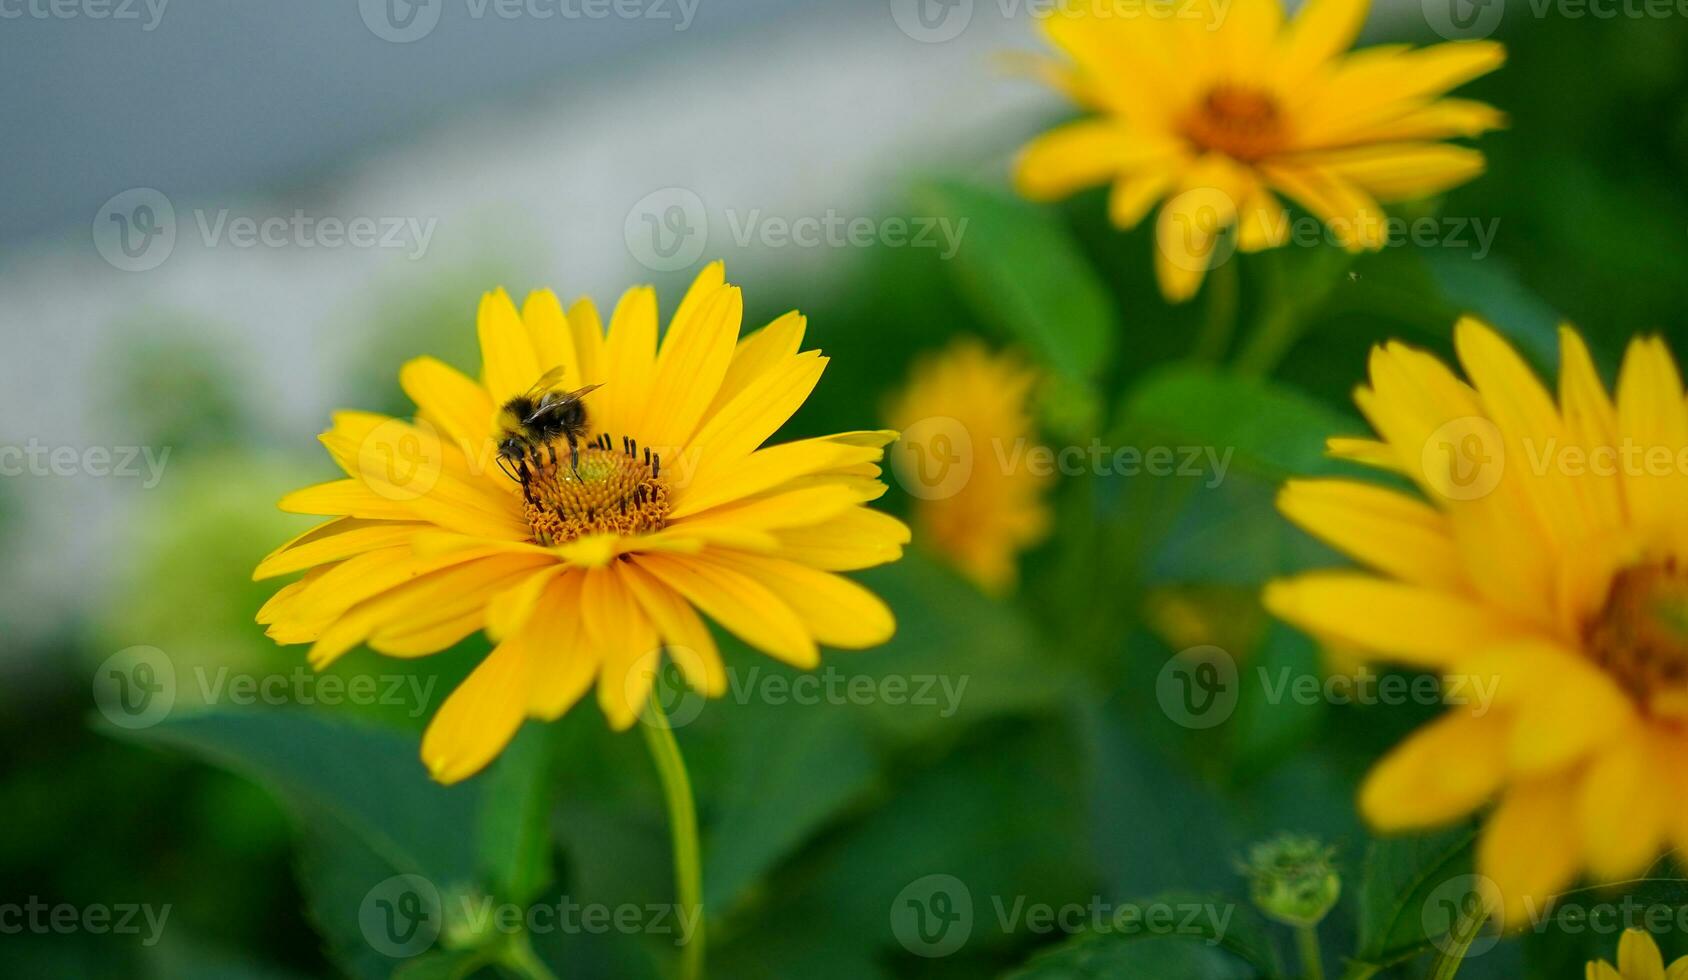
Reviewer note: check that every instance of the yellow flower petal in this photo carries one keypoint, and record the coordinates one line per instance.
(1420, 626)
(508, 363)
(479, 718)
(833, 609)
(1389, 531)
(626, 642)
(1638, 957)
(562, 664)
(630, 359)
(450, 400)
(552, 339)
(858, 538)
(1622, 808)
(1444, 771)
(746, 607)
(1529, 850)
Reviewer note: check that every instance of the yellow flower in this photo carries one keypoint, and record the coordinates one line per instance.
(1544, 578)
(587, 578)
(968, 459)
(1638, 959)
(1224, 108)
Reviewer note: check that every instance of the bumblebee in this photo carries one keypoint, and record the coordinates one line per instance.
(530, 424)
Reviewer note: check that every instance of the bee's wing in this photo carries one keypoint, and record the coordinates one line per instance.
(548, 382)
(579, 393)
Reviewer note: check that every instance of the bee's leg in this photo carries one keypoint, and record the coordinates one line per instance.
(574, 455)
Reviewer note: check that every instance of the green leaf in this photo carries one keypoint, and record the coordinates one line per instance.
(513, 831)
(968, 657)
(1021, 271)
(1271, 431)
(1402, 875)
(793, 768)
(365, 806)
(1271, 721)
(368, 779)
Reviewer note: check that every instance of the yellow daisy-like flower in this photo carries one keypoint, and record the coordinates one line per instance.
(586, 572)
(1544, 573)
(968, 458)
(1222, 108)
(1638, 959)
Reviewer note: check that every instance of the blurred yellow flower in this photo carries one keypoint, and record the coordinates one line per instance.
(1545, 579)
(968, 458)
(1222, 106)
(587, 575)
(1638, 959)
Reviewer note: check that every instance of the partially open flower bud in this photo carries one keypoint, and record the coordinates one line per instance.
(1292, 879)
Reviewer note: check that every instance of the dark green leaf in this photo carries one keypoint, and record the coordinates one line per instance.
(1023, 273)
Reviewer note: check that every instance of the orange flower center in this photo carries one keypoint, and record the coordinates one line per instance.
(1241, 122)
(1641, 637)
(616, 490)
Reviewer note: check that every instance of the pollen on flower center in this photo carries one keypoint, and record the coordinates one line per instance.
(618, 490)
(1241, 122)
(1641, 636)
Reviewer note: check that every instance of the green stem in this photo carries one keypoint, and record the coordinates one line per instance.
(1272, 338)
(1307, 944)
(1452, 954)
(519, 956)
(682, 819)
(1220, 319)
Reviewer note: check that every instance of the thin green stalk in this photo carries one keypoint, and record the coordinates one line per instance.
(1452, 954)
(1220, 319)
(682, 821)
(1307, 944)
